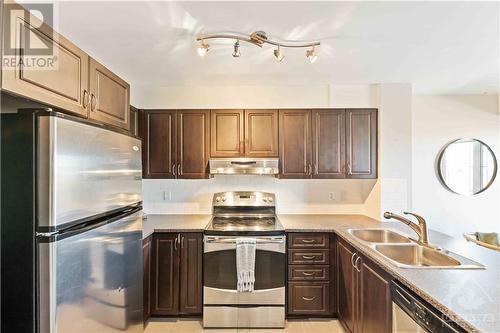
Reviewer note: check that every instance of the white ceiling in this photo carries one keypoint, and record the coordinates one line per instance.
(440, 47)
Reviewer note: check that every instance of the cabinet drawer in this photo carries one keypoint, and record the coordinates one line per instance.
(308, 273)
(309, 298)
(319, 257)
(308, 240)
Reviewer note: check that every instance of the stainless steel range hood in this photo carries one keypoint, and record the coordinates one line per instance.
(244, 166)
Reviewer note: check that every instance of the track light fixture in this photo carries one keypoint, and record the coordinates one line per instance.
(311, 55)
(236, 52)
(278, 54)
(257, 38)
(202, 48)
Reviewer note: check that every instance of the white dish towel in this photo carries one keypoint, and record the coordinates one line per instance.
(245, 263)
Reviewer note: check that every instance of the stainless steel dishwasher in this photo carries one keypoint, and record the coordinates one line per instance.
(411, 314)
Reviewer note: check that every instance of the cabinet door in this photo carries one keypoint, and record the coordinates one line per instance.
(295, 143)
(261, 133)
(191, 300)
(109, 97)
(61, 77)
(159, 153)
(165, 275)
(227, 138)
(361, 143)
(346, 286)
(329, 143)
(146, 267)
(374, 299)
(193, 143)
(134, 121)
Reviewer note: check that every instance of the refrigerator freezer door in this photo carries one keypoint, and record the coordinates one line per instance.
(83, 171)
(92, 281)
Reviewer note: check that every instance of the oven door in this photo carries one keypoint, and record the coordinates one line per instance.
(220, 278)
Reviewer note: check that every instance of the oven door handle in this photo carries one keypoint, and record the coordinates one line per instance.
(259, 240)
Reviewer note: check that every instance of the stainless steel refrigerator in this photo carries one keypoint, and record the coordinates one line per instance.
(71, 226)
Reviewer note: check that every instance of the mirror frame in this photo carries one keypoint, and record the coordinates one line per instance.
(440, 157)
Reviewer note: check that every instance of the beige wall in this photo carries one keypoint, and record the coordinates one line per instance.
(436, 121)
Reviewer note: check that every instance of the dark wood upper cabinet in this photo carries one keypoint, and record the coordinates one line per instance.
(364, 296)
(261, 133)
(328, 143)
(319, 143)
(361, 143)
(346, 291)
(193, 143)
(146, 282)
(227, 137)
(160, 141)
(165, 275)
(64, 85)
(70, 80)
(109, 96)
(134, 121)
(191, 274)
(295, 143)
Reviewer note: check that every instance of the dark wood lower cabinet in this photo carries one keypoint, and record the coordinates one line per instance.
(346, 289)
(191, 274)
(310, 282)
(364, 296)
(310, 298)
(146, 282)
(165, 275)
(176, 274)
(375, 311)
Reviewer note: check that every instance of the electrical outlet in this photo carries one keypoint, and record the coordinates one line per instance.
(331, 196)
(166, 195)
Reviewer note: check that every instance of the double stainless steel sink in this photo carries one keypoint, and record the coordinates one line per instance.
(405, 252)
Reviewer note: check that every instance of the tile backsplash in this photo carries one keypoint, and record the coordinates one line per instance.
(297, 196)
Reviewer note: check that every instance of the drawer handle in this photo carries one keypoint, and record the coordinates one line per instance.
(308, 241)
(308, 299)
(308, 257)
(307, 274)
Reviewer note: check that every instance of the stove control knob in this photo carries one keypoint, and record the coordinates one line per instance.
(223, 199)
(217, 199)
(270, 199)
(264, 199)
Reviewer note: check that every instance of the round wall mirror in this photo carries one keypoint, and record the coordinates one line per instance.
(467, 166)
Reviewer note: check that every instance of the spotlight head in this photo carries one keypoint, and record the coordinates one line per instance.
(278, 54)
(311, 55)
(203, 49)
(236, 52)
